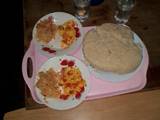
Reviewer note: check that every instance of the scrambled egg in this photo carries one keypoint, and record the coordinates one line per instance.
(68, 33)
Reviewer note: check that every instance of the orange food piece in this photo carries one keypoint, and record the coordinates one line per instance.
(68, 33)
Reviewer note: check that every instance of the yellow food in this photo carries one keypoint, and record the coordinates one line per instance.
(68, 33)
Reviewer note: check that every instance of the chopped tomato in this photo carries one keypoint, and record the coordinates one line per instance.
(64, 97)
(51, 51)
(45, 49)
(48, 50)
(76, 29)
(77, 34)
(78, 95)
(64, 62)
(82, 89)
(71, 63)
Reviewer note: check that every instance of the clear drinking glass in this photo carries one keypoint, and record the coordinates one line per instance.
(82, 9)
(123, 10)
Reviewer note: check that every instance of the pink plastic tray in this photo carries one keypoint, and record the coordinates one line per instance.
(99, 88)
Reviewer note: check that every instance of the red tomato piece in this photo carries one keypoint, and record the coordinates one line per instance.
(71, 63)
(77, 34)
(64, 62)
(82, 89)
(51, 51)
(45, 49)
(64, 97)
(78, 95)
(76, 29)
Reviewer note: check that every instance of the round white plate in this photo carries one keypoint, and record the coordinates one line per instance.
(59, 18)
(59, 104)
(112, 77)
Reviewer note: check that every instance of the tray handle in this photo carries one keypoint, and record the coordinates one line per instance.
(30, 79)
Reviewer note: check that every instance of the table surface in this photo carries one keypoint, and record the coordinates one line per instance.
(137, 106)
(144, 20)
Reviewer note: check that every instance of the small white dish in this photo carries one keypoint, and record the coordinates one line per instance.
(71, 102)
(58, 18)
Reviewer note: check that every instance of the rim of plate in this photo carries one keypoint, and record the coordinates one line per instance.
(69, 103)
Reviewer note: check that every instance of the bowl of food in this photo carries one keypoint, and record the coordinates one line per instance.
(113, 52)
(62, 82)
(57, 33)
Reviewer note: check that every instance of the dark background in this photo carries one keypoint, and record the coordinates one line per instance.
(12, 51)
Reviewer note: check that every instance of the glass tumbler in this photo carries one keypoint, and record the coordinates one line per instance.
(123, 10)
(82, 9)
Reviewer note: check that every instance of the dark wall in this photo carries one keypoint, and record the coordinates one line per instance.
(12, 50)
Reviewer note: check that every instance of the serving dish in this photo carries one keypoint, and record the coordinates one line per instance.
(115, 77)
(65, 101)
(55, 46)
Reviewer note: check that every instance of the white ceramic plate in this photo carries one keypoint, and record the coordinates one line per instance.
(112, 77)
(59, 104)
(59, 18)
